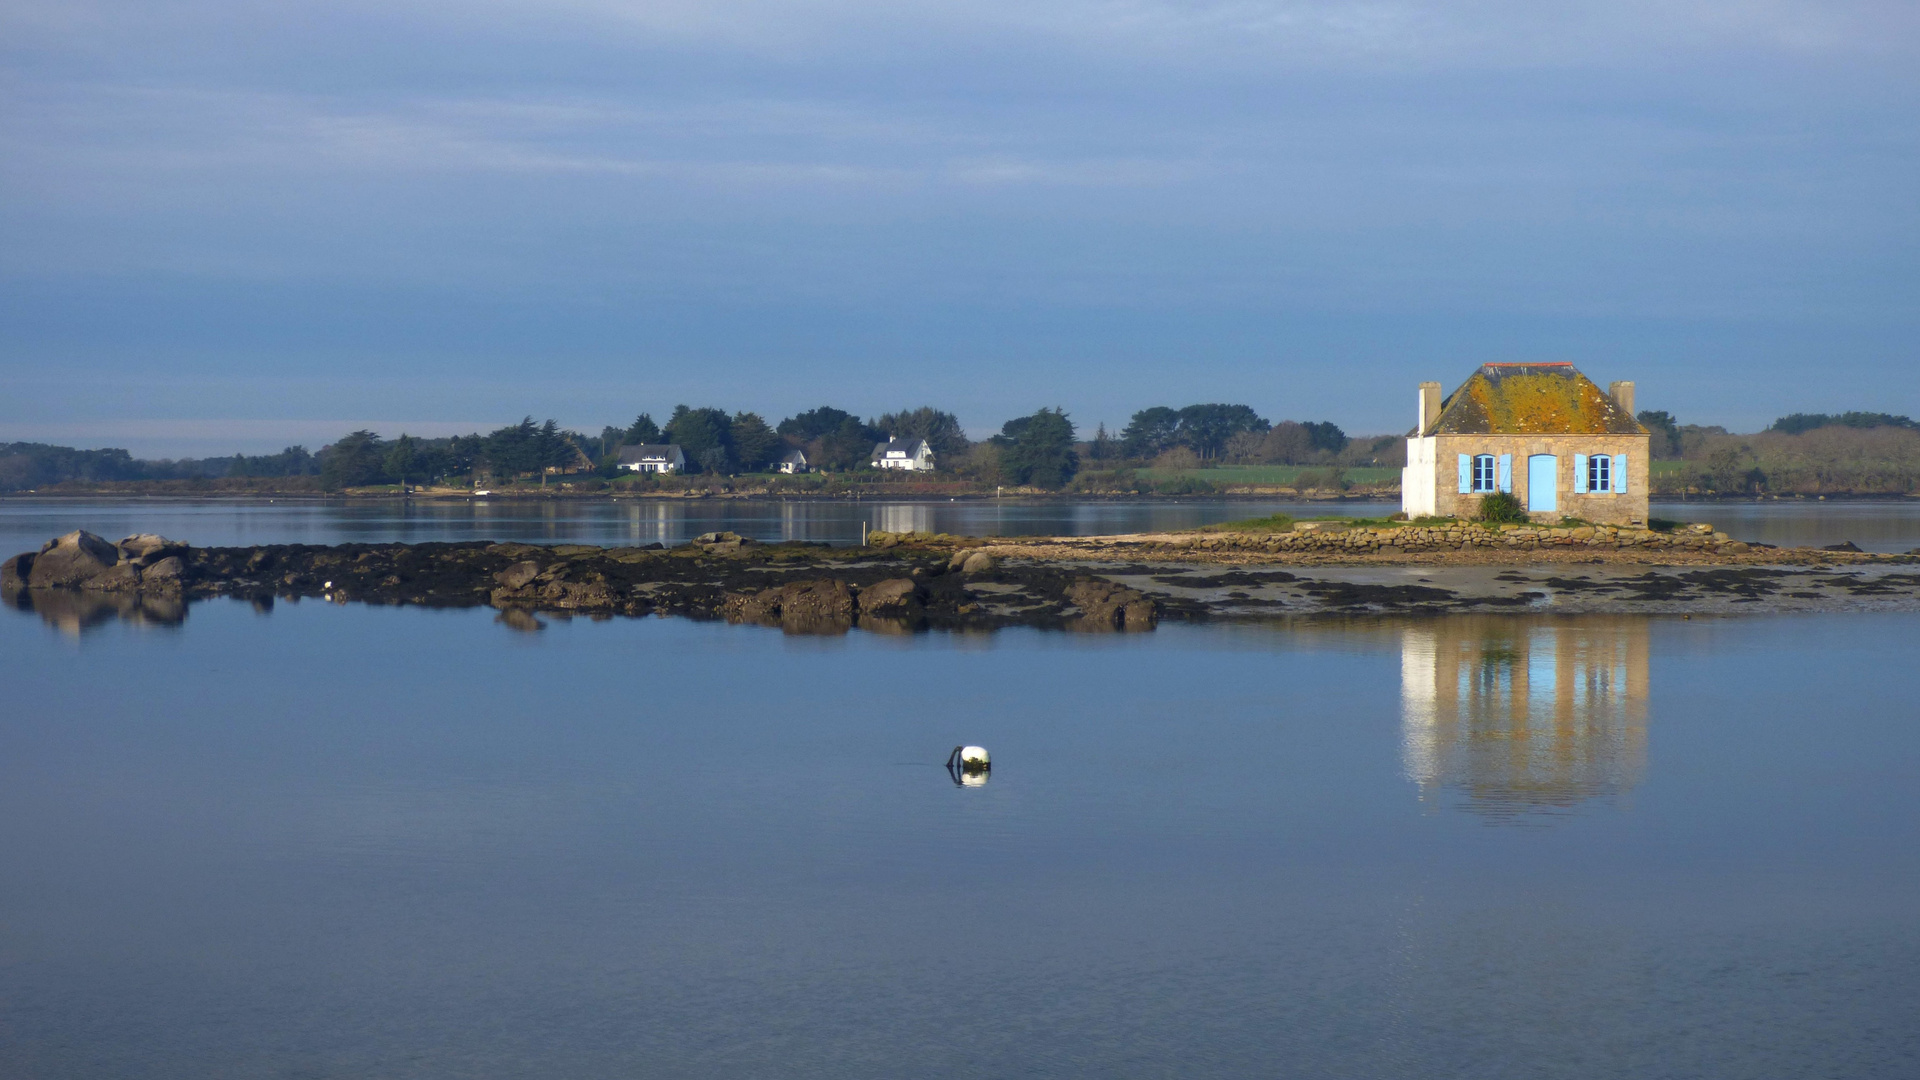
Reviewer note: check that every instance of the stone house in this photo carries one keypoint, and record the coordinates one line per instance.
(1544, 433)
(910, 454)
(653, 458)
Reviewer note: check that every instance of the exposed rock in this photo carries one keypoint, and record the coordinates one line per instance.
(1106, 606)
(978, 563)
(893, 594)
(14, 572)
(960, 558)
(721, 543)
(517, 575)
(121, 577)
(804, 604)
(1844, 545)
(167, 571)
(71, 560)
(142, 549)
(575, 594)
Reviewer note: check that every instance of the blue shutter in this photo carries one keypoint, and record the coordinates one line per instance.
(1466, 474)
(1619, 474)
(1506, 473)
(1579, 474)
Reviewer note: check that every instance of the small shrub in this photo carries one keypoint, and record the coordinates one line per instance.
(1501, 508)
(1662, 525)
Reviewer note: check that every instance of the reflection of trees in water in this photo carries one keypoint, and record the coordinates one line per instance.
(76, 611)
(1525, 716)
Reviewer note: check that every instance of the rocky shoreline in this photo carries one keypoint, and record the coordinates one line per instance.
(914, 581)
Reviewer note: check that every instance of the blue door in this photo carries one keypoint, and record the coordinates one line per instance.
(1543, 483)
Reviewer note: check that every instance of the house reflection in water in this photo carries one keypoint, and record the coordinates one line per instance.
(1525, 717)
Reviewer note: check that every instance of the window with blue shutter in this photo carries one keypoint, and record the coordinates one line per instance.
(1466, 474)
(1619, 474)
(1581, 483)
(1506, 473)
(1484, 476)
(1600, 473)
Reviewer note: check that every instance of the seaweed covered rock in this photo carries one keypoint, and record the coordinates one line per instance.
(1106, 606)
(806, 604)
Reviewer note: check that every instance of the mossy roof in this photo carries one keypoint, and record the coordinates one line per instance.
(1532, 399)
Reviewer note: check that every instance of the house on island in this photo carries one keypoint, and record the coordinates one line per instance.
(1543, 433)
(653, 458)
(911, 454)
(793, 461)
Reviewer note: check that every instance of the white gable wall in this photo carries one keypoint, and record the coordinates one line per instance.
(1418, 481)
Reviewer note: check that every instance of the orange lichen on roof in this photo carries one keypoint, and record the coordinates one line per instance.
(1533, 399)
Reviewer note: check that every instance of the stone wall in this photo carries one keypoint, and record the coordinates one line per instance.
(1626, 509)
(1337, 539)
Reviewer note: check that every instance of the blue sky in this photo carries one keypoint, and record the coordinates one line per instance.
(230, 225)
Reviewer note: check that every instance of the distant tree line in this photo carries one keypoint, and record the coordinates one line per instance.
(1865, 453)
(1200, 435)
(29, 465)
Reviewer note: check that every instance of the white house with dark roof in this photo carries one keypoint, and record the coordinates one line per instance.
(653, 458)
(1543, 433)
(793, 461)
(910, 454)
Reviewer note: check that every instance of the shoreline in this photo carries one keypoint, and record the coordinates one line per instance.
(905, 583)
(1240, 493)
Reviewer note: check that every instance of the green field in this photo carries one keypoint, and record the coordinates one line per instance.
(1281, 475)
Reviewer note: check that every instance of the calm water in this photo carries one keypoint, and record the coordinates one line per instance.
(27, 522)
(335, 841)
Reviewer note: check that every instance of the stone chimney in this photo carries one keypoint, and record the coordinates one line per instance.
(1430, 404)
(1623, 394)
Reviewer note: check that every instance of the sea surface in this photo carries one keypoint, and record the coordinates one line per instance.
(26, 522)
(329, 840)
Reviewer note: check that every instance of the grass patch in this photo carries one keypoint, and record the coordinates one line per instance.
(1270, 523)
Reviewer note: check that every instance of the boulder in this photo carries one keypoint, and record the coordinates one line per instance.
(167, 571)
(120, 577)
(1844, 545)
(894, 594)
(517, 575)
(978, 563)
(71, 560)
(143, 549)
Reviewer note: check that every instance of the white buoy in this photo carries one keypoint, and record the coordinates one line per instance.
(969, 765)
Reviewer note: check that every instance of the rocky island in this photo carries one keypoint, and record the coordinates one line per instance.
(901, 582)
